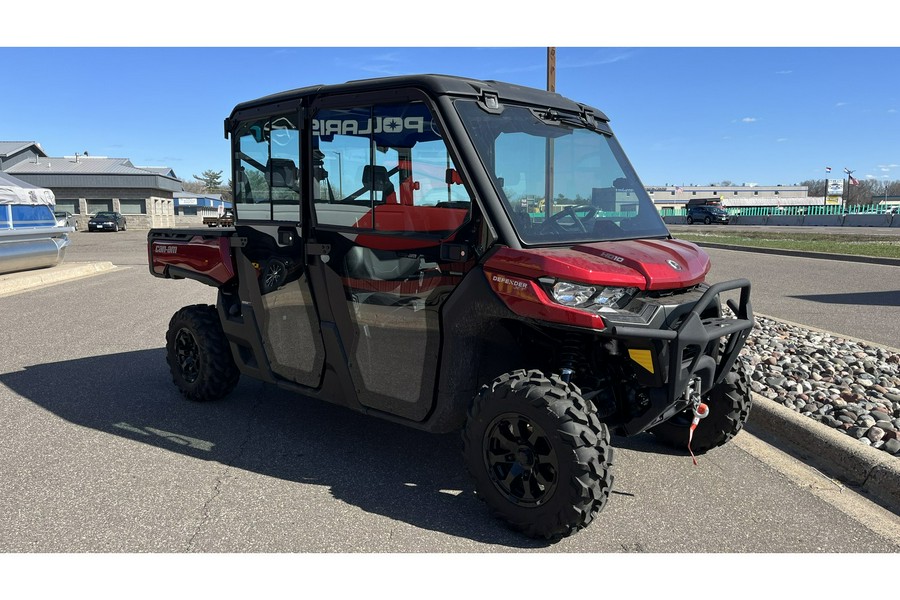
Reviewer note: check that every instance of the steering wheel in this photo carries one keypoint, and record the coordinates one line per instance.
(553, 220)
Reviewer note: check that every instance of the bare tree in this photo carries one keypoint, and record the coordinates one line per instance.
(815, 187)
(193, 186)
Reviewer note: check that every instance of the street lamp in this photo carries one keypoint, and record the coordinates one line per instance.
(340, 171)
(849, 178)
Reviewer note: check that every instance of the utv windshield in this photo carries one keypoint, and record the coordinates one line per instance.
(561, 181)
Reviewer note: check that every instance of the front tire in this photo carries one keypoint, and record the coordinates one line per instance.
(198, 354)
(729, 407)
(539, 455)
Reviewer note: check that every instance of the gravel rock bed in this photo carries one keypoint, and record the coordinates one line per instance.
(849, 385)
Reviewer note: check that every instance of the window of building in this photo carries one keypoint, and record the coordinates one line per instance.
(69, 205)
(133, 206)
(95, 206)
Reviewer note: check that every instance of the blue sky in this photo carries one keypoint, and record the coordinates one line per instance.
(685, 115)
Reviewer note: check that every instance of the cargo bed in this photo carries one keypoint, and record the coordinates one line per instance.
(201, 254)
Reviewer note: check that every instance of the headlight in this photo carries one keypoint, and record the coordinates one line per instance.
(589, 297)
(612, 296)
(572, 294)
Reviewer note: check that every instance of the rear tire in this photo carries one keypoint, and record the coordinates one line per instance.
(539, 455)
(690, 221)
(729, 407)
(273, 276)
(198, 354)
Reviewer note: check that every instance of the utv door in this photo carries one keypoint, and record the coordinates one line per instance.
(390, 208)
(272, 252)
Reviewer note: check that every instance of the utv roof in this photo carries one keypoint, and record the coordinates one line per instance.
(435, 85)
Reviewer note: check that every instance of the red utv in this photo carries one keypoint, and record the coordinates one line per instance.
(458, 254)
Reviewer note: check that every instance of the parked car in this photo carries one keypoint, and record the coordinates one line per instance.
(707, 215)
(65, 219)
(107, 221)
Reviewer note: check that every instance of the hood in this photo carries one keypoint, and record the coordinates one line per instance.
(646, 264)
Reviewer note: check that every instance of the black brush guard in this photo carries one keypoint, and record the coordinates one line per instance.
(687, 352)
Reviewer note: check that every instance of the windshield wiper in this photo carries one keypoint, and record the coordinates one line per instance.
(567, 119)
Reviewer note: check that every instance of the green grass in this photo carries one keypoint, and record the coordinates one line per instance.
(853, 244)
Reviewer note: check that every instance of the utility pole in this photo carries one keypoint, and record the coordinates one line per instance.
(551, 69)
(548, 176)
(849, 173)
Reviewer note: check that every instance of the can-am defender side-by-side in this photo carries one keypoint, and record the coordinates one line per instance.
(458, 254)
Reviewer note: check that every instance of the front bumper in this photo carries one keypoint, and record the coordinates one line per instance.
(692, 350)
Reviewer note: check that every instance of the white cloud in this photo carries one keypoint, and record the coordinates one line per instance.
(748, 120)
(601, 59)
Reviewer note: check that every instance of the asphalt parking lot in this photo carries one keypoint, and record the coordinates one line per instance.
(99, 453)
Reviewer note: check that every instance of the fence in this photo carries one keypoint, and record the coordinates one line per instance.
(798, 210)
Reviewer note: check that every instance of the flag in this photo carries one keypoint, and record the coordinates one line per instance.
(854, 180)
(828, 169)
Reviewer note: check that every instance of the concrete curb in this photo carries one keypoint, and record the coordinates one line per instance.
(876, 260)
(835, 454)
(12, 283)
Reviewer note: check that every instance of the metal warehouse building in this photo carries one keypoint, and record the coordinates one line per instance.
(84, 184)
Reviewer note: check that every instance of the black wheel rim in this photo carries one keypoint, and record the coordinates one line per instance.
(188, 354)
(274, 275)
(521, 460)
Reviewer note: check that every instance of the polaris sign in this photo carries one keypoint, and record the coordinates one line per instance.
(374, 125)
(388, 125)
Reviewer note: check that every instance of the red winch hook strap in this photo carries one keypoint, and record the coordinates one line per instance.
(700, 412)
